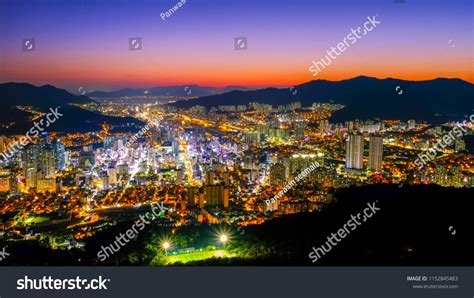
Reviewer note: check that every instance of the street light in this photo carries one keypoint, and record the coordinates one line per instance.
(166, 245)
(223, 239)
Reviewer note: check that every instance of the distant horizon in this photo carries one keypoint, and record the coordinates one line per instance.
(227, 86)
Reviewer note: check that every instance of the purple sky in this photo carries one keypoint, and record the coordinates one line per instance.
(85, 43)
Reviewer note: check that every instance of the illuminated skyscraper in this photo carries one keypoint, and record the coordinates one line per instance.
(46, 162)
(59, 154)
(30, 162)
(355, 152)
(375, 153)
(459, 145)
(300, 128)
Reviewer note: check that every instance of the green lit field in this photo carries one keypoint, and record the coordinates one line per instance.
(34, 219)
(196, 256)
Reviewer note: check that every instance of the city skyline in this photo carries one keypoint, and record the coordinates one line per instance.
(374, 118)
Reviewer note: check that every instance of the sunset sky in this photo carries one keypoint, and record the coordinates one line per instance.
(84, 43)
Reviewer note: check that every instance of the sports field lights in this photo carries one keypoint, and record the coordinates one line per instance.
(166, 246)
(223, 238)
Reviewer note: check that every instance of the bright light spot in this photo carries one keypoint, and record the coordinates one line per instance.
(166, 245)
(223, 238)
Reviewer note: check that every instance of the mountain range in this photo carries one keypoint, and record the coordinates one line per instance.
(43, 97)
(13, 120)
(436, 101)
(184, 91)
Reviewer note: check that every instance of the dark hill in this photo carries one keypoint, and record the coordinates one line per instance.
(43, 98)
(411, 228)
(435, 100)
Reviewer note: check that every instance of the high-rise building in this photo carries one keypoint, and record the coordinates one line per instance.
(201, 200)
(46, 184)
(441, 175)
(459, 145)
(210, 178)
(109, 142)
(355, 152)
(471, 181)
(349, 125)
(45, 138)
(86, 159)
(277, 174)
(3, 143)
(226, 178)
(375, 153)
(263, 128)
(323, 126)
(47, 162)
(300, 127)
(225, 197)
(4, 180)
(251, 138)
(192, 193)
(248, 161)
(14, 188)
(105, 181)
(455, 177)
(112, 172)
(30, 160)
(217, 195)
(59, 155)
(299, 162)
(175, 141)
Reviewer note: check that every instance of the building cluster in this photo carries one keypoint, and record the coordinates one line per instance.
(355, 152)
(220, 164)
(38, 163)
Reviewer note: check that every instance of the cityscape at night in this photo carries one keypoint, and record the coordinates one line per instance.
(171, 133)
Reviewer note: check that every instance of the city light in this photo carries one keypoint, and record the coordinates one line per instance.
(166, 246)
(276, 162)
(223, 238)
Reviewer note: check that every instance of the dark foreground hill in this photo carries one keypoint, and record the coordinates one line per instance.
(415, 226)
